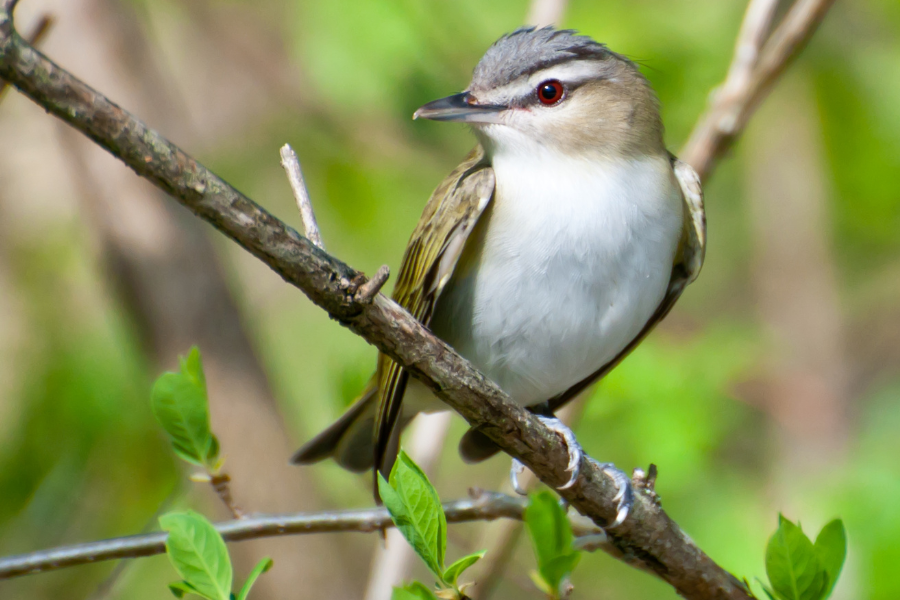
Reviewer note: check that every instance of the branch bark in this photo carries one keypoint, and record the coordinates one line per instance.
(648, 536)
(484, 506)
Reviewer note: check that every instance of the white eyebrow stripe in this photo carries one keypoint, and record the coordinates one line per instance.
(570, 72)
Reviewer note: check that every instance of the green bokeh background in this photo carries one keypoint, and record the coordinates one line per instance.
(692, 399)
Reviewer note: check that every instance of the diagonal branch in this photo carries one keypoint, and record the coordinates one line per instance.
(37, 35)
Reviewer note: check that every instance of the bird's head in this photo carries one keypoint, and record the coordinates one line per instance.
(553, 90)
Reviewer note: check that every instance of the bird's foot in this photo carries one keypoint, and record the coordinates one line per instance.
(516, 469)
(624, 491)
(574, 448)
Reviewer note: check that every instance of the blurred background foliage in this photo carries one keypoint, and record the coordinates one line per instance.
(773, 386)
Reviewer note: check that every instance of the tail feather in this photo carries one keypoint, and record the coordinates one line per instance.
(475, 446)
(348, 440)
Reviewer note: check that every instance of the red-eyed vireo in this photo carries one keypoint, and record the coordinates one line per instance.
(549, 253)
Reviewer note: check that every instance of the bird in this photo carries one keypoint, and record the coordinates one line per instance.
(548, 254)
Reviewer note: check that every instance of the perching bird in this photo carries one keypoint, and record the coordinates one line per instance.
(544, 258)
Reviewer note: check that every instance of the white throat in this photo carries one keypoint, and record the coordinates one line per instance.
(576, 257)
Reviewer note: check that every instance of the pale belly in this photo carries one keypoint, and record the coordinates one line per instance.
(554, 285)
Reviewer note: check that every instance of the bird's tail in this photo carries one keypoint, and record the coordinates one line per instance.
(349, 439)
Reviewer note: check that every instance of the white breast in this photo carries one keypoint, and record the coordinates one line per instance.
(576, 257)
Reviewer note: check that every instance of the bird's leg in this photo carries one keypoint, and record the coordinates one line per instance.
(575, 455)
(624, 491)
(575, 451)
(516, 469)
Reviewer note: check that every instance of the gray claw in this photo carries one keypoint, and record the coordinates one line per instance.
(624, 494)
(575, 451)
(516, 469)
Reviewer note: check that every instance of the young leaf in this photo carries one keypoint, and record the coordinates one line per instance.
(769, 591)
(180, 404)
(198, 553)
(416, 510)
(831, 548)
(556, 570)
(180, 588)
(455, 570)
(260, 568)
(413, 591)
(792, 565)
(551, 536)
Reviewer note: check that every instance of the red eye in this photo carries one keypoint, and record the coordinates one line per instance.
(550, 92)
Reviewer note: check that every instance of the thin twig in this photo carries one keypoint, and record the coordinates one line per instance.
(220, 482)
(291, 165)
(484, 506)
(753, 34)
(741, 93)
(109, 583)
(367, 291)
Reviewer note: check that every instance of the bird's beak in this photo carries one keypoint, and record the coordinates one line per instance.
(460, 107)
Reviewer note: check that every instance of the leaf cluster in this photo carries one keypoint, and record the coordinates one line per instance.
(198, 553)
(415, 508)
(799, 569)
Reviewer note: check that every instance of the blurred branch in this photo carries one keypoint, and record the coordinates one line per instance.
(483, 506)
(758, 61)
(546, 12)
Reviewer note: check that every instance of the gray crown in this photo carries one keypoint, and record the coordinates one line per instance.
(529, 49)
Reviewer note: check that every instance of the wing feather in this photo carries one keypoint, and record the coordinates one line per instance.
(429, 261)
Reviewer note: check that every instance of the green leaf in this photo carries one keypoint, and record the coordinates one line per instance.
(551, 537)
(556, 570)
(260, 568)
(413, 591)
(540, 583)
(769, 592)
(831, 548)
(792, 565)
(198, 553)
(455, 570)
(180, 404)
(416, 510)
(180, 588)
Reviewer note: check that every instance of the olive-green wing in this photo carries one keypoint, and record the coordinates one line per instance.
(429, 261)
(475, 446)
